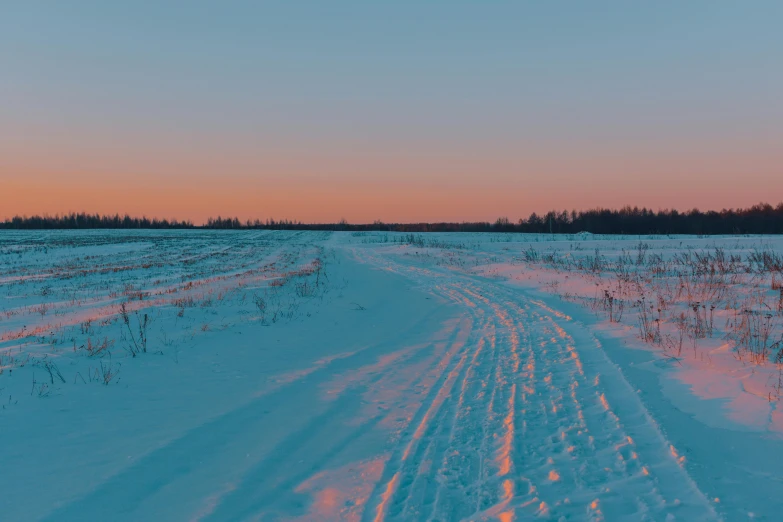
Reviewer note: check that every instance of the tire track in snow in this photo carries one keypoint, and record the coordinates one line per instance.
(406, 463)
(541, 424)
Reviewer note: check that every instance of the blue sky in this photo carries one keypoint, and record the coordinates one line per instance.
(510, 106)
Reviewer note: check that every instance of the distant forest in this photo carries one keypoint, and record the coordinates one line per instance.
(758, 219)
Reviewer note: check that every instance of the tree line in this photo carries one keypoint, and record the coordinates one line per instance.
(758, 219)
(89, 221)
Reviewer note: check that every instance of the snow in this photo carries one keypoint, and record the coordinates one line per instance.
(374, 376)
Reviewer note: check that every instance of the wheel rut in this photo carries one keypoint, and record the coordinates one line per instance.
(529, 419)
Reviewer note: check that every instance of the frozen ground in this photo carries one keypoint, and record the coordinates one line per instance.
(334, 376)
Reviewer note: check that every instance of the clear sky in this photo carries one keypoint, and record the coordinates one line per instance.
(400, 111)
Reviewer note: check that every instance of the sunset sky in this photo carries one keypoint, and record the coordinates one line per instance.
(399, 111)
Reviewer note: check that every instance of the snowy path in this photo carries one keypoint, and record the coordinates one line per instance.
(405, 392)
(528, 418)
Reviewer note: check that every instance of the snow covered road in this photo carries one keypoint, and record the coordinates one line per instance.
(296, 376)
(528, 418)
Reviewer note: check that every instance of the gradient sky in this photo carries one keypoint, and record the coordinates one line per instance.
(400, 111)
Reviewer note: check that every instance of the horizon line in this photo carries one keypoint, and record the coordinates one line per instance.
(270, 221)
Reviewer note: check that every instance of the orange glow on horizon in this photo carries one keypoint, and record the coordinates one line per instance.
(356, 202)
(417, 187)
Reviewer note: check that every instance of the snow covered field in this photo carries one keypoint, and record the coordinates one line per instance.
(267, 375)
